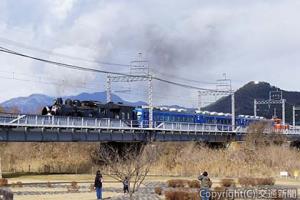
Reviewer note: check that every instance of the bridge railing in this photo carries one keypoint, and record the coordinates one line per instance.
(59, 121)
(293, 130)
(182, 126)
(94, 123)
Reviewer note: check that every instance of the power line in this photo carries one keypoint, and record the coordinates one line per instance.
(184, 79)
(47, 82)
(22, 45)
(181, 84)
(76, 67)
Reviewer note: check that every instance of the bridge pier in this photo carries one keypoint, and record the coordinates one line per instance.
(295, 144)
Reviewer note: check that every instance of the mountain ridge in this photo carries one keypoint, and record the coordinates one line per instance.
(244, 98)
(33, 103)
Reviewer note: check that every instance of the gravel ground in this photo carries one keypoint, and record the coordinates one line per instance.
(59, 192)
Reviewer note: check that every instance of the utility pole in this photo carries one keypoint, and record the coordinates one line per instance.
(283, 111)
(108, 89)
(139, 72)
(223, 88)
(295, 108)
(255, 108)
(233, 110)
(150, 101)
(199, 100)
(275, 97)
(294, 116)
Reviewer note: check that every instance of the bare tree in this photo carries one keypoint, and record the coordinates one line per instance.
(132, 161)
(2, 150)
(14, 110)
(2, 110)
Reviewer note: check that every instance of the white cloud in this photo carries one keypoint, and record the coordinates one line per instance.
(253, 40)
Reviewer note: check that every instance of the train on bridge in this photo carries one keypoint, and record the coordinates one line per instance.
(140, 114)
(93, 121)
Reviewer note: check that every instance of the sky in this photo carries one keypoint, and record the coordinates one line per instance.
(199, 40)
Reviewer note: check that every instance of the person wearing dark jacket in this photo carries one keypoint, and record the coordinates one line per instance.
(98, 184)
(205, 184)
(126, 185)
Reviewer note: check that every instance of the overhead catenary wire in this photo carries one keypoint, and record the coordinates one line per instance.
(77, 67)
(25, 46)
(80, 85)
(40, 50)
(182, 78)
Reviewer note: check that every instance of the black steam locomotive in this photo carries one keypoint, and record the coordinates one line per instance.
(95, 109)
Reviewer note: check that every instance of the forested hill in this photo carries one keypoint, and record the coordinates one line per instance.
(245, 99)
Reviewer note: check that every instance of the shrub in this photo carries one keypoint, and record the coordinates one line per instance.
(49, 185)
(194, 184)
(181, 195)
(218, 193)
(73, 187)
(176, 183)
(19, 184)
(158, 190)
(74, 184)
(278, 195)
(13, 184)
(246, 181)
(91, 188)
(3, 182)
(227, 182)
(265, 181)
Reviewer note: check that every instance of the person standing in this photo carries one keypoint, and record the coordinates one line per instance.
(205, 186)
(126, 185)
(98, 185)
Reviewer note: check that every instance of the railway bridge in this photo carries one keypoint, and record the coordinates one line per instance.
(37, 128)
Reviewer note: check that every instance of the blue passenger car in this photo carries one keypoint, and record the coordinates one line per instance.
(182, 116)
(163, 115)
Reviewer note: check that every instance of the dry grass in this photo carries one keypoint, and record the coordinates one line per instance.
(91, 187)
(247, 181)
(47, 157)
(181, 195)
(265, 181)
(49, 185)
(18, 184)
(3, 182)
(177, 183)
(158, 190)
(74, 187)
(256, 158)
(194, 184)
(74, 184)
(226, 182)
(190, 159)
(219, 191)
